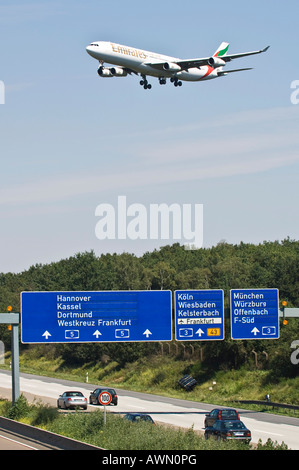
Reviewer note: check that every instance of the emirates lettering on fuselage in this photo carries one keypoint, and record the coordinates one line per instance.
(127, 51)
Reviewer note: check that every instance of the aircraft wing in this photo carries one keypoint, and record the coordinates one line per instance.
(228, 58)
(189, 63)
(184, 64)
(129, 71)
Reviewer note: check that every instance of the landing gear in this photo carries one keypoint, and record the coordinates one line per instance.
(101, 67)
(144, 83)
(162, 81)
(176, 81)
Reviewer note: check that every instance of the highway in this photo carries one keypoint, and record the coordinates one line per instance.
(10, 440)
(183, 413)
(7, 442)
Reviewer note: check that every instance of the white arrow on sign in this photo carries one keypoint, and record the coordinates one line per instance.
(199, 332)
(147, 333)
(46, 334)
(255, 331)
(97, 334)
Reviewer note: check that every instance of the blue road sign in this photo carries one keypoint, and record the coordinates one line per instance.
(254, 313)
(199, 315)
(106, 316)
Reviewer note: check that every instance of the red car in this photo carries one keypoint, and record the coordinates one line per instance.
(221, 414)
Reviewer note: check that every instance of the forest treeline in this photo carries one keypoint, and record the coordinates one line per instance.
(224, 266)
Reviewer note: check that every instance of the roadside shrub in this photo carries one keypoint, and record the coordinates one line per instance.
(20, 409)
(44, 414)
(271, 445)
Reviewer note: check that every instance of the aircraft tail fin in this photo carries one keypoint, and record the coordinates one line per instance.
(222, 49)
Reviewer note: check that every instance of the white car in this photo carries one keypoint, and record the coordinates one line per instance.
(72, 399)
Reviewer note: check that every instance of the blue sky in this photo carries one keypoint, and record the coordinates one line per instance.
(70, 140)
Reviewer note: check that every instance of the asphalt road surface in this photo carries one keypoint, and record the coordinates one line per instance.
(183, 413)
(7, 442)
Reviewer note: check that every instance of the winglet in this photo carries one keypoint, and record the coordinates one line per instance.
(266, 48)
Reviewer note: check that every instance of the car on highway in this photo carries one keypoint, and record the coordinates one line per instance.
(72, 399)
(228, 429)
(137, 417)
(94, 396)
(220, 414)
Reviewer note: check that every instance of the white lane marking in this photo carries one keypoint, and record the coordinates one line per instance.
(135, 406)
(268, 432)
(17, 442)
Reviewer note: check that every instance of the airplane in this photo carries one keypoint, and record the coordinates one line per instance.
(129, 60)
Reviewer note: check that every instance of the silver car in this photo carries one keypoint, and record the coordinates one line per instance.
(72, 399)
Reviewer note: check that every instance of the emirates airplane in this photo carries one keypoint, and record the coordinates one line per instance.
(127, 60)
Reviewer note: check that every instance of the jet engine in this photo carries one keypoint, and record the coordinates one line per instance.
(118, 72)
(111, 72)
(171, 67)
(216, 62)
(104, 72)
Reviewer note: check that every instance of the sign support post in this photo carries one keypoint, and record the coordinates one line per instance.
(15, 364)
(105, 398)
(14, 320)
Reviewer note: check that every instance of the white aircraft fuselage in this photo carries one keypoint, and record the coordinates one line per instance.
(127, 60)
(140, 61)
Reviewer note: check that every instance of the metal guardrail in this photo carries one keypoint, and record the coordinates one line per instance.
(270, 403)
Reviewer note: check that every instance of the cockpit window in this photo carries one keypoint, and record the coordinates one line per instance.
(94, 44)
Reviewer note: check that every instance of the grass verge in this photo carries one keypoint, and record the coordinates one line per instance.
(117, 433)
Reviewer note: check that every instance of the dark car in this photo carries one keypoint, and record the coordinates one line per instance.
(228, 429)
(135, 417)
(220, 414)
(94, 396)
